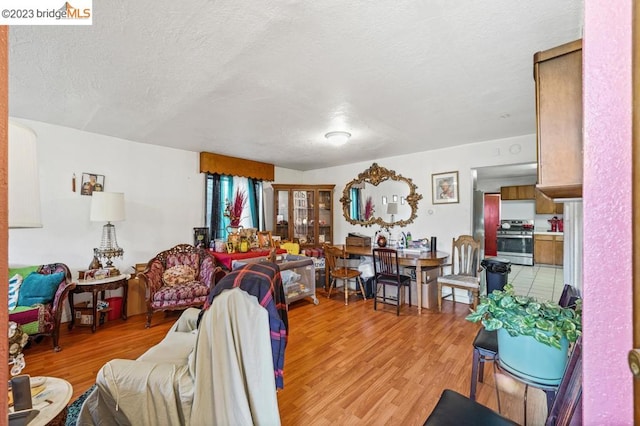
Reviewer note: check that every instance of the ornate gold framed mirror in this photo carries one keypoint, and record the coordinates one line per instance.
(378, 194)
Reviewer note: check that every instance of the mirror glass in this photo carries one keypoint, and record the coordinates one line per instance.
(379, 196)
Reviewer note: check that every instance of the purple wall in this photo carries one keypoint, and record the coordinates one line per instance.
(608, 387)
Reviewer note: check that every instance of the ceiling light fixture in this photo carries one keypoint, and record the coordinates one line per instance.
(338, 138)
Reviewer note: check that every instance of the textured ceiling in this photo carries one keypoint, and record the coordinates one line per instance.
(267, 80)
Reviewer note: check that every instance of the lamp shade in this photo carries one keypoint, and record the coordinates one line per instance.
(392, 208)
(24, 182)
(107, 207)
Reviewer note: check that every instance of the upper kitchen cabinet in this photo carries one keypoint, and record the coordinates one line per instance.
(545, 205)
(519, 192)
(558, 76)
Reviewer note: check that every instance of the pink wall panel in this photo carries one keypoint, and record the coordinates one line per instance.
(608, 392)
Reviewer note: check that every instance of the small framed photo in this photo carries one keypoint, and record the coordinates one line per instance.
(444, 188)
(384, 200)
(91, 183)
(395, 198)
(265, 241)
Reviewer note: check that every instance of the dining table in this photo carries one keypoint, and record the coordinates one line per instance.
(423, 260)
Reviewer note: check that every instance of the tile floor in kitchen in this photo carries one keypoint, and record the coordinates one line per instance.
(541, 282)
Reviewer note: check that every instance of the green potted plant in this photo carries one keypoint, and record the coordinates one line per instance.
(533, 336)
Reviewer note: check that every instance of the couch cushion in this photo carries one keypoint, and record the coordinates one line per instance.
(23, 270)
(179, 274)
(14, 287)
(39, 288)
(30, 318)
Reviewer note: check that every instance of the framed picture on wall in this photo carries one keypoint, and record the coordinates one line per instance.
(91, 183)
(444, 188)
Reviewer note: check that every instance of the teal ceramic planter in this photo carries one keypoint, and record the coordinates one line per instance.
(524, 356)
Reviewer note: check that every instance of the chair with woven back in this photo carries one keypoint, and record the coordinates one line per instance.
(337, 262)
(454, 409)
(465, 268)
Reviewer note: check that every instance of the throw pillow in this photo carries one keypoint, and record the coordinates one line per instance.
(179, 274)
(14, 287)
(39, 288)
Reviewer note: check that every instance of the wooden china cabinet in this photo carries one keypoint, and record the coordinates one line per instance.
(303, 213)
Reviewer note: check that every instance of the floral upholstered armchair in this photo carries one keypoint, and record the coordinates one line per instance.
(179, 278)
(36, 298)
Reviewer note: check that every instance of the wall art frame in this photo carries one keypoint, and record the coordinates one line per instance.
(444, 188)
(91, 182)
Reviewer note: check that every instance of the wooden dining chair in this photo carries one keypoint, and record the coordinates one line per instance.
(337, 262)
(465, 268)
(387, 274)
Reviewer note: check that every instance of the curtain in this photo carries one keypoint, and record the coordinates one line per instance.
(220, 190)
(355, 207)
(213, 204)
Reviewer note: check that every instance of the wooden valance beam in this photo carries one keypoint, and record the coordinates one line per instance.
(233, 166)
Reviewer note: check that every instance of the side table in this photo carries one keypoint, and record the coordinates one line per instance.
(99, 286)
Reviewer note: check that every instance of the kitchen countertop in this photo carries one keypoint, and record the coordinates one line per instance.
(547, 233)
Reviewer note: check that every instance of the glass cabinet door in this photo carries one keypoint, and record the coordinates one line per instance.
(325, 217)
(282, 214)
(303, 216)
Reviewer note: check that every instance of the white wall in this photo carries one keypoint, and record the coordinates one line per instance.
(445, 221)
(518, 209)
(163, 198)
(164, 194)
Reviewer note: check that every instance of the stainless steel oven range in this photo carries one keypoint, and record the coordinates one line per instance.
(515, 241)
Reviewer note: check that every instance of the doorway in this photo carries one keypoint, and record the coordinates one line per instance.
(491, 222)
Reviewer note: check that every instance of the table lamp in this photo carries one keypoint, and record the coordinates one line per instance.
(108, 207)
(392, 209)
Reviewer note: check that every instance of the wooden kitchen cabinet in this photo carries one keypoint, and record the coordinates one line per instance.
(545, 205)
(519, 192)
(548, 249)
(303, 213)
(558, 77)
(543, 249)
(558, 250)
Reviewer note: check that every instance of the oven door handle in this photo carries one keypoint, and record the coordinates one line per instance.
(515, 236)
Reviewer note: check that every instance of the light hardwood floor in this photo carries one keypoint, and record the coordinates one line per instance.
(344, 365)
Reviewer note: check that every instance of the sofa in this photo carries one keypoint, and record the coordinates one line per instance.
(36, 299)
(179, 278)
(219, 365)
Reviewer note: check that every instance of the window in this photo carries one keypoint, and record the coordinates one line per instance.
(221, 189)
